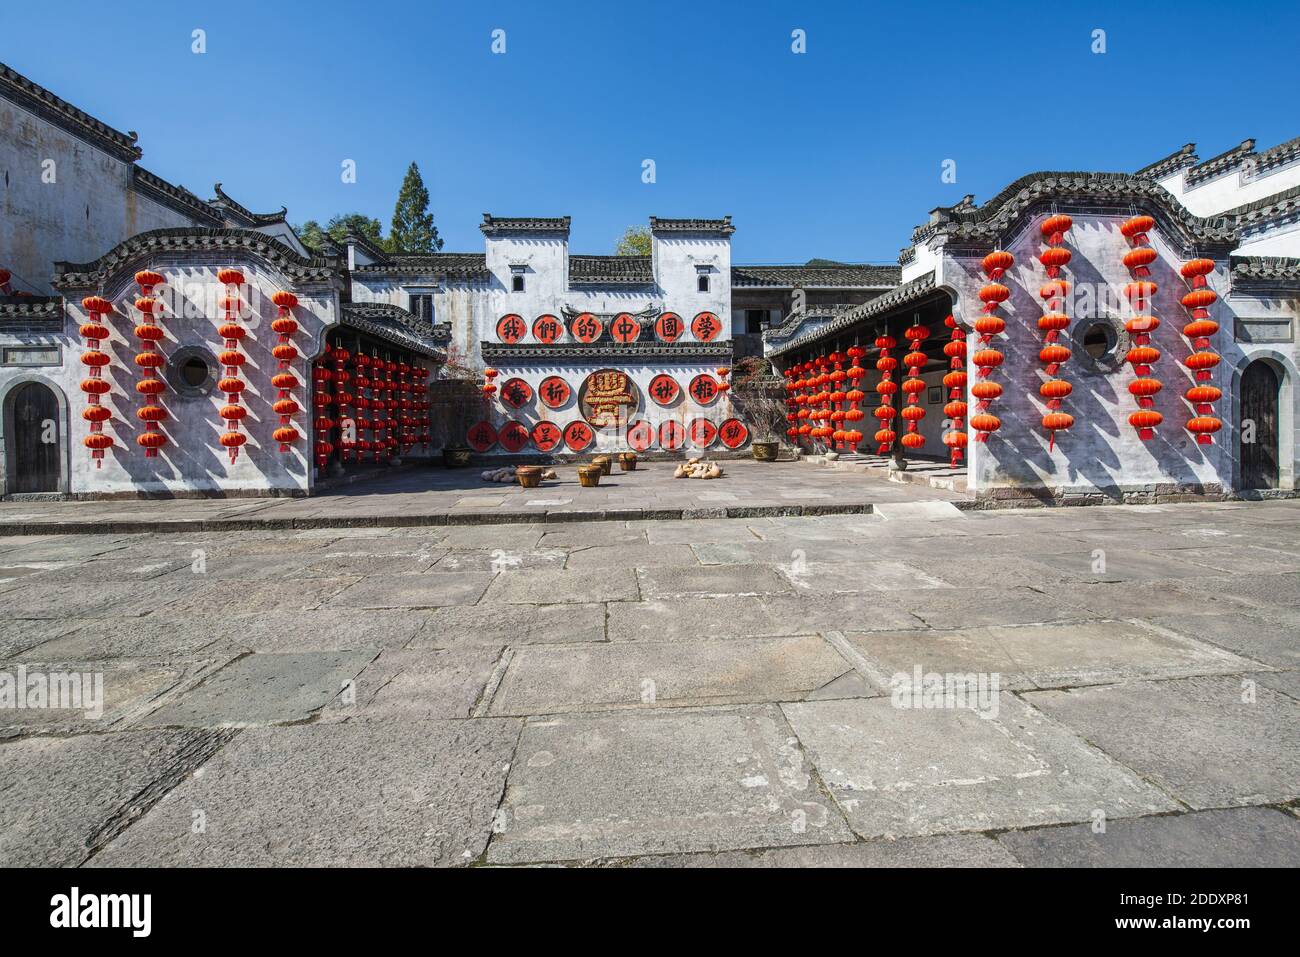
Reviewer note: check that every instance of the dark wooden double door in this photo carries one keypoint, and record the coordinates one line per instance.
(1261, 391)
(33, 442)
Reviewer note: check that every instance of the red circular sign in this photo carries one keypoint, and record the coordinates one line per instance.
(511, 328)
(706, 327)
(578, 435)
(546, 436)
(734, 433)
(669, 327)
(704, 388)
(624, 328)
(555, 392)
(664, 389)
(547, 328)
(482, 436)
(641, 435)
(516, 393)
(703, 433)
(512, 436)
(672, 435)
(586, 327)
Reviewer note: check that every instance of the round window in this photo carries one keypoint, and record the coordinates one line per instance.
(1099, 344)
(192, 371)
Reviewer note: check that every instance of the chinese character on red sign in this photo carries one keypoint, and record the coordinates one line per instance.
(546, 436)
(517, 393)
(554, 391)
(641, 436)
(512, 436)
(511, 328)
(625, 328)
(702, 432)
(547, 329)
(664, 389)
(578, 435)
(706, 327)
(585, 327)
(734, 433)
(672, 435)
(669, 327)
(482, 436)
(704, 388)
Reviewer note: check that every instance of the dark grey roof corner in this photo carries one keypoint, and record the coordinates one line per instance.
(174, 197)
(1225, 162)
(31, 314)
(499, 225)
(356, 239)
(242, 214)
(611, 271)
(1279, 155)
(36, 99)
(918, 289)
(1265, 269)
(721, 227)
(906, 255)
(394, 324)
(1178, 159)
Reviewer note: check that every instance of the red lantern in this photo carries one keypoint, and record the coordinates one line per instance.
(1052, 323)
(885, 437)
(232, 359)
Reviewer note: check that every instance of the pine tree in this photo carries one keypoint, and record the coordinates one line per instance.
(413, 230)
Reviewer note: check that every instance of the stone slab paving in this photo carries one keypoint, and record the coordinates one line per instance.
(554, 679)
(1240, 837)
(911, 772)
(629, 784)
(359, 793)
(1211, 742)
(689, 693)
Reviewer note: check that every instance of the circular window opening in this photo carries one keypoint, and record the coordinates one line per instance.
(191, 371)
(1099, 339)
(195, 372)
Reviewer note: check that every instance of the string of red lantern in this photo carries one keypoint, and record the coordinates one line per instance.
(986, 358)
(343, 399)
(284, 381)
(95, 385)
(322, 423)
(1199, 330)
(887, 387)
(1052, 323)
(723, 384)
(955, 383)
(854, 396)
(835, 401)
(792, 405)
(362, 401)
(914, 385)
(149, 359)
(422, 406)
(1142, 356)
(231, 360)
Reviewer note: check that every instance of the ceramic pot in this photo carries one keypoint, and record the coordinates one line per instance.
(764, 451)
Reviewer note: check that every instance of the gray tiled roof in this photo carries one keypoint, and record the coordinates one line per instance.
(1178, 159)
(430, 266)
(1225, 161)
(1271, 269)
(33, 314)
(722, 226)
(493, 225)
(35, 98)
(193, 239)
(838, 276)
(611, 270)
(907, 294)
(398, 326)
(242, 214)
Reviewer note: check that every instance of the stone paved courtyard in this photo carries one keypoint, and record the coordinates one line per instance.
(664, 693)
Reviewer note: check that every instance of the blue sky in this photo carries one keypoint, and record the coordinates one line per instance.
(834, 153)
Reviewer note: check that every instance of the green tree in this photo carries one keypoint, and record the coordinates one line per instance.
(337, 229)
(635, 242)
(413, 229)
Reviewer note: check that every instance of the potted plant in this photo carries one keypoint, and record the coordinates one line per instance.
(759, 394)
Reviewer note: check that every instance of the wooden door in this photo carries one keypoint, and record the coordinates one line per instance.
(1260, 391)
(34, 460)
